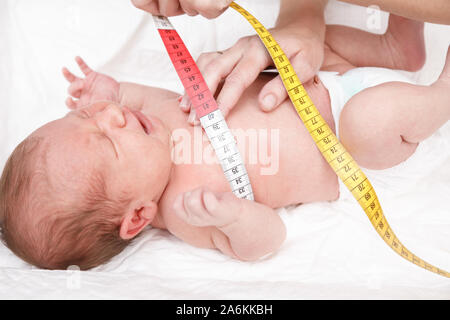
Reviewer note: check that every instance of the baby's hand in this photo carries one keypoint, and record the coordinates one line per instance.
(94, 87)
(202, 207)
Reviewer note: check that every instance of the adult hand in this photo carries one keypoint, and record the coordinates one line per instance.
(241, 64)
(208, 8)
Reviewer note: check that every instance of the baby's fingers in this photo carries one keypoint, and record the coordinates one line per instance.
(75, 88)
(191, 208)
(83, 66)
(70, 103)
(197, 215)
(69, 75)
(202, 207)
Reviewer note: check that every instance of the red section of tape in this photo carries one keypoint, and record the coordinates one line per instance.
(201, 98)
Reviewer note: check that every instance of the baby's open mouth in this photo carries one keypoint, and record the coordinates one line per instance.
(143, 120)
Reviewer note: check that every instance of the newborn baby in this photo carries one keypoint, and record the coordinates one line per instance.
(80, 188)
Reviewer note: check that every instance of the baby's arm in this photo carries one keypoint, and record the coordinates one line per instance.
(96, 86)
(136, 96)
(242, 229)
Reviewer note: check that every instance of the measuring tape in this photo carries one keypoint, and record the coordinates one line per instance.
(332, 150)
(205, 106)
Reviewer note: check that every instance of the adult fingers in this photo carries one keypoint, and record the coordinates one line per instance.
(170, 8)
(274, 92)
(214, 66)
(210, 8)
(188, 7)
(151, 6)
(242, 76)
(202, 61)
(185, 103)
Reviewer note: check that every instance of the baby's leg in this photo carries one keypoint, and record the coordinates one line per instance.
(382, 126)
(401, 47)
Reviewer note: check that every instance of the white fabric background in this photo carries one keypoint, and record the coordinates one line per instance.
(331, 250)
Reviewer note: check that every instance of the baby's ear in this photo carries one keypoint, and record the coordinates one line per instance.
(135, 220)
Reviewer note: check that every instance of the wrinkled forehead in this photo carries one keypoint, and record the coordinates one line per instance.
(72, 153)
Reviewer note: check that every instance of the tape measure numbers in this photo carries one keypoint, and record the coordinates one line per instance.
(332, 150)
(211, 118)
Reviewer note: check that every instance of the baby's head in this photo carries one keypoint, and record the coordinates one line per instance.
(78, 189)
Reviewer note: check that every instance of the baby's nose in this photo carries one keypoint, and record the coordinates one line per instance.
(111, 117)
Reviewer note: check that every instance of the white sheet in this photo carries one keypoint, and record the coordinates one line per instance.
(331, 251)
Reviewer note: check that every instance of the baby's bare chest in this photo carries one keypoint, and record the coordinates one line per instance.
(283, 164)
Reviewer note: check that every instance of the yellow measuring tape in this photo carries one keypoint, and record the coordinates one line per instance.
(333, 151)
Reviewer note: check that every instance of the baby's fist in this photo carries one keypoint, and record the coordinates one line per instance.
(202, 207)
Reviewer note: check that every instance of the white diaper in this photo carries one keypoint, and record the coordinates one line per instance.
(430, 153)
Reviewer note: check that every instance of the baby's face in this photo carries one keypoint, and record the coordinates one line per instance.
(131, 150)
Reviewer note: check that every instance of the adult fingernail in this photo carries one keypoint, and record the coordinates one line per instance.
(191, 117)
(269, 101)
(184, 102)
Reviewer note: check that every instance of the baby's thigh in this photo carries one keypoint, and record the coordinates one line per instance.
(371, 127)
